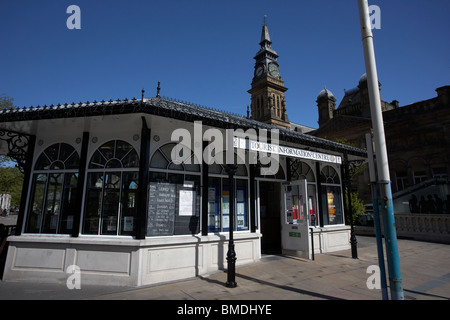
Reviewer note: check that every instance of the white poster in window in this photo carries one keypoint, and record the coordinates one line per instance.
(240, 217)
(240, 208)
(186, 203)
(240, 221)
(226, 221)
(128, 224)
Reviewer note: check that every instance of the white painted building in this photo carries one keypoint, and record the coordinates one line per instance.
(84, 204)
(102, 189)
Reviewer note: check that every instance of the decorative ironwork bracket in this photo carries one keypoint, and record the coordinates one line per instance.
(354, 165)
(17, 146)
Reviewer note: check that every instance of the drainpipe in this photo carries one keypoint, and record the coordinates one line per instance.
(387, 209)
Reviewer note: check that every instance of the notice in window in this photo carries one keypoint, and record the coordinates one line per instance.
(186, 203)
(331, 206)
(128, 224)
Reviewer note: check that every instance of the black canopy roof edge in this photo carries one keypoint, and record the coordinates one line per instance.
(170, 108)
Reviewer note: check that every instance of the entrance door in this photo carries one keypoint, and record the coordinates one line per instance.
(295, 220)
(270, 212)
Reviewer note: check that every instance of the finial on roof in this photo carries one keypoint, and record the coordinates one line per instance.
(143, 91)
(158, 89)
(265, 37)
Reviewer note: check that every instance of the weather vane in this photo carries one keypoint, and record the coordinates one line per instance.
(265, 18)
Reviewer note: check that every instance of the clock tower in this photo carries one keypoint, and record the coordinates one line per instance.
(268, 102)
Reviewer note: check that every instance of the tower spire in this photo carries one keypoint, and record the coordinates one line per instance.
(268, 100)
(265, 37)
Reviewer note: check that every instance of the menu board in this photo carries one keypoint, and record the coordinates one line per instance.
(161, 209)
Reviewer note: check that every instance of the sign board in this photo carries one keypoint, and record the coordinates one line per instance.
(258, 146)
(161, 209)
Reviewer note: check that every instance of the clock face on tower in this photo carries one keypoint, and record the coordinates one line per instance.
(273, 70)
(259, 71)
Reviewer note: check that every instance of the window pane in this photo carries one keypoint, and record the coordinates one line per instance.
(110, 205)
(129, 206)
(122, 148)
(241, 170)
(159, 161)
(188, 221)
(93, 203)
(329, 175)
(65, 151)
(97, 160)
(241, 205)
(52, 152)
(331, 198)
(113, 163)
(68, 203)
(57, 165)
(34, 217)
(53, 203)
(191, 166)
(167, 150)
(107, 150)
(215, 168)
(131, 160)
(214, 192)
(42, 163)
(73, 162)
(173, 166)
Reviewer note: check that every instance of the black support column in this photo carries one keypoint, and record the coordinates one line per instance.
(319, 194)
(80, 185)
(253, 216)
(205, 174)
(144, 162)
(26, 183)
(345, 170)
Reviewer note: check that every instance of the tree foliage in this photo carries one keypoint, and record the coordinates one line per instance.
(6, 102)
(358, 207)
(11, 179)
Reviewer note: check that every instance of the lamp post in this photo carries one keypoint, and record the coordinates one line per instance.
(387, 209)
(231, 254)
(231, 170)
(353, 241)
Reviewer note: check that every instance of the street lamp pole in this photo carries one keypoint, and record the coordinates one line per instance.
(387, 209)
(231, 170)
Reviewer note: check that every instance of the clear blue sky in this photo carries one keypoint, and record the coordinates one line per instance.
(202, 50)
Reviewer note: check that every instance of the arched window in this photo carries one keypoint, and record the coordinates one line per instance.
(329, 175)
(301, 170)
(53, 192)
(112, 183)
(174, 194)
(219, 196)
(331, 196)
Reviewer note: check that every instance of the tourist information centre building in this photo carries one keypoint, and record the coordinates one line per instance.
(103, 192)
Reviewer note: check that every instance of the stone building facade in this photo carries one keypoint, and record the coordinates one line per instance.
(417, 135)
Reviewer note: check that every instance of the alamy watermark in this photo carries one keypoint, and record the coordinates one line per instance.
(374, 280)
(74, 279)
(74, 20)
(251, 147)
(375, 17)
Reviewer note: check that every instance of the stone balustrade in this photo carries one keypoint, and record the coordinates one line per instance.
(423, 227)
(427, 227)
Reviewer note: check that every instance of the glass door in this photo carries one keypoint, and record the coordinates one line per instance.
(295, 221)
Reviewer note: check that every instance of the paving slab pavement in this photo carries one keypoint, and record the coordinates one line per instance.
(335, 276)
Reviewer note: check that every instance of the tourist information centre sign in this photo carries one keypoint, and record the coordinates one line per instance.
(258, 146)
